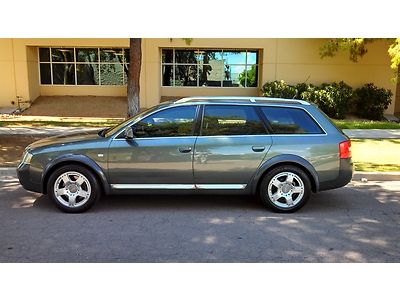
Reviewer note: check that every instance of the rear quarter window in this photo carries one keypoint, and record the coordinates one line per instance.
(286, 120)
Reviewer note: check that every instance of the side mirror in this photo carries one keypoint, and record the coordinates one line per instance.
(128, 133)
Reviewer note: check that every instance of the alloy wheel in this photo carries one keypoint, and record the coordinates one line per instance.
(286, 190)
(72, 189)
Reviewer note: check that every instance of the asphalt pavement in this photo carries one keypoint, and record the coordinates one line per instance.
(357, 223)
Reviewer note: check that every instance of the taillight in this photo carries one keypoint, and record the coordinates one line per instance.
(345, 149)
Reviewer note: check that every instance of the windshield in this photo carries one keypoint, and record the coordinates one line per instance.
(109, 132)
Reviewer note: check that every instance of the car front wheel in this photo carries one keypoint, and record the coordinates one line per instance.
(285, 189)
(73, 188)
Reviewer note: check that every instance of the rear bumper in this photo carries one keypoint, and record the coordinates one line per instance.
(344, 177)
(25, 178)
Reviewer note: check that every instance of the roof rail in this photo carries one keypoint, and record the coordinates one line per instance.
(243, 98)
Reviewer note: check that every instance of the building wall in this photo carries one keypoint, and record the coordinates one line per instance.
(7, 74)
(292, 60)
(19, 69)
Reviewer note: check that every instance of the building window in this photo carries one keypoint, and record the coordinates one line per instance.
(209, 68)
(83, 66)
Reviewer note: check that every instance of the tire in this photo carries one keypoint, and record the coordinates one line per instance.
(73, 188)
(285, 189)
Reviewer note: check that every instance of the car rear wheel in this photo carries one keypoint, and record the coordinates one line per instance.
(285, 189)
(73, 188)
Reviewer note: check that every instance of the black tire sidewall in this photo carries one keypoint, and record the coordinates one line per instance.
(263, 190)
(95, 192)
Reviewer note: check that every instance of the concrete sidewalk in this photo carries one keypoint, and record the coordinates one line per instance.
(373, 133)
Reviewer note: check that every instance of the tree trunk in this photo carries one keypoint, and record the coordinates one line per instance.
(135, 62)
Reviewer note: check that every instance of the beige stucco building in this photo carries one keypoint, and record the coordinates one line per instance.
(30, 68)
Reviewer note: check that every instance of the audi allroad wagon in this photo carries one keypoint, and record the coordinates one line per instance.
(280, 150)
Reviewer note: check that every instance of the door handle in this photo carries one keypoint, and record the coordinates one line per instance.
(258, 148)
(185, 149)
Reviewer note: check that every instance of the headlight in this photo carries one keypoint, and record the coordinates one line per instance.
(26, 158)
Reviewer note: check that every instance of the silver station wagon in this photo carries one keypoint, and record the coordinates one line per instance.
(277, 149)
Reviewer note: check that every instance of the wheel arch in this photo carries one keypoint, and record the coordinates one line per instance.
(81, 160)
(286, 159)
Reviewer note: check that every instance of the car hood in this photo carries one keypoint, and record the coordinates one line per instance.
(87, 135)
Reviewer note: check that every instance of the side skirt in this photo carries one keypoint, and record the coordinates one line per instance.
(139, 186)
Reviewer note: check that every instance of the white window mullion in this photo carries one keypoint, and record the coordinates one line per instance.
(51, 67)
(223, 68)
(99, 65)
(198, 70)
(245, 72)
(76, 77)
(173, 66)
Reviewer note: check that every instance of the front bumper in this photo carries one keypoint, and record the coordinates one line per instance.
(344, 177)
(25, 178)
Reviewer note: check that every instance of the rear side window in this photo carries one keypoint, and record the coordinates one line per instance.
(285, 120)
(231, 120)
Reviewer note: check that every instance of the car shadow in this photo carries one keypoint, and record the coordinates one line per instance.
(345, 198)
(173, 202)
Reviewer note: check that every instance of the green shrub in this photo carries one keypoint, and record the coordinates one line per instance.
(335, 99)
(332, 98)
(279, 89)
(370, 101)
(301, 87)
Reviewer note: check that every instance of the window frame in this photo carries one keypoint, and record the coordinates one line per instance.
(75, 63)
(200, 129)
(173, 64)
(270, 128)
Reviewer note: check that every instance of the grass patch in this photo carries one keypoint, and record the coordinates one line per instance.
(376, 155)
(370, 167)
(347, 124)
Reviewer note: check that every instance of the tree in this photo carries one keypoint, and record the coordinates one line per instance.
(251, 77)
(357, 48)
(135, 63)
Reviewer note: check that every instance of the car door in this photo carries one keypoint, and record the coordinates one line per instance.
(160, 154)
(233, 142)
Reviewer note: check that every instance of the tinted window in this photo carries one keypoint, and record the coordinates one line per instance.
(231, 120)
(290, 120)
(176, 121)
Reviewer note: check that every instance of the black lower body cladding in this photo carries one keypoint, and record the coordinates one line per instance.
(344, 177)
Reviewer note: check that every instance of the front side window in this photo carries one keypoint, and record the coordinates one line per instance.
(83, 66)
(285, 120)
(231, 120)
(209, 68)
(177, 121)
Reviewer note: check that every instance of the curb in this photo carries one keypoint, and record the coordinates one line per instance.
(8, 175)
(376, 176)
(11, 173)
(43, 131)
